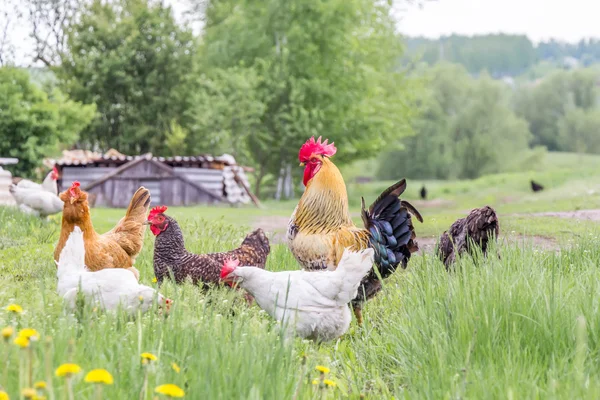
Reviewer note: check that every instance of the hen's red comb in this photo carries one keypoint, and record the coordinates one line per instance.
(72, 190)
(157, 210)
(228, 266)
(312, 147)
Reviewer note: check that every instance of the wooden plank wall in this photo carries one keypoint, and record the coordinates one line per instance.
(165, 188)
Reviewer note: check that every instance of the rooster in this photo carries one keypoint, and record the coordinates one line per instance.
(314, 305)
(171, 257)
(117, 248)
(108, 288)
(321, 227)
(477, 229)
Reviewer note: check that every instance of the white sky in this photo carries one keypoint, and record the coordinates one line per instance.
(566, 20)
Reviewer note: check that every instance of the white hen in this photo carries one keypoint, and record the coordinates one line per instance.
(107, 288)
(49, 184)
(314, 305)
(37, 202)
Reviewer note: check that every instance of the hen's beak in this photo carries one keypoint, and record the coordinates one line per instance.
(147, 222)
(72, 200)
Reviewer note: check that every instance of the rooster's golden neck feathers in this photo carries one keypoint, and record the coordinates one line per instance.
(324, 204)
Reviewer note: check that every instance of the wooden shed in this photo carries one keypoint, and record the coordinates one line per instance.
(112, 178)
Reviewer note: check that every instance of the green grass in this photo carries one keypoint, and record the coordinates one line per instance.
(493, 329)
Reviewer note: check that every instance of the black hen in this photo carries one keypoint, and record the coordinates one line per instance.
(476, 229)
(536, 187)
(392, 236)
(423, 193)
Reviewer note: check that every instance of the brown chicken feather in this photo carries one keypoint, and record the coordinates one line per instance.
(172, 258)
(117, 248)
(478, 229)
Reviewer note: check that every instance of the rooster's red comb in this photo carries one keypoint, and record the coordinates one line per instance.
(228, 266)
(157, 210)
(312, 147)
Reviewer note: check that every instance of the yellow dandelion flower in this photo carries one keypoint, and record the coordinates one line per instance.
(14, 308)
(4, 395)
(66, 370)
(147, 357)
(141, 298)
(170, 390)
(154, 280)
(7, 332)
(322, 369)
(28, 393)
(316, 381)
(329, 382)
(175, 367)
(29, 333)
(99, 376)
(41, 385)
(21, 341)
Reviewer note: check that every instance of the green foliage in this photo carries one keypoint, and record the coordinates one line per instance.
(465, 128)
(545, 105)
(227, 111)
(502, 54)
(133, 61)
(34, 124)
(499, 54)
(579, 131)
(323, 68)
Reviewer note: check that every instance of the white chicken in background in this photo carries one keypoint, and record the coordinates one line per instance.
(109, 288)
(49, 184)
(35, 199)
(314, 305)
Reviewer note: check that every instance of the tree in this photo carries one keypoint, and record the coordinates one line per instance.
(545, 104)
(579, 131)
(34, 124)
(227, 110)
(133, 61)
(324, 68)
(464, 128)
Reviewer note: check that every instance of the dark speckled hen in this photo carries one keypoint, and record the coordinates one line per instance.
(477, 229)
(171, 257)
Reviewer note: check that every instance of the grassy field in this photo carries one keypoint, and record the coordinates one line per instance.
(525, 326)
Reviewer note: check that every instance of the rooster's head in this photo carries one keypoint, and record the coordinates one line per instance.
(54, 174)
(312, 154)
(157, 220)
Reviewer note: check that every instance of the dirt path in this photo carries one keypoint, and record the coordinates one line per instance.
(276, 226)
(586, 215)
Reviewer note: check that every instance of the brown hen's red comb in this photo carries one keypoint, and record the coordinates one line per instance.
(75, 184)
(312, 147)
(157, 210)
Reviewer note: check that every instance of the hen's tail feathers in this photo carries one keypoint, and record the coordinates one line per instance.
(482, 226)
(73, 254)
(139, 204)
(392, 235)
(353, 267)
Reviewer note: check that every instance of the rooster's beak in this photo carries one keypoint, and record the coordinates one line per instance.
(302, 164)
(147, 222)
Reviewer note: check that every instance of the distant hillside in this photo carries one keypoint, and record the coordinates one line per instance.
(500, 54)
